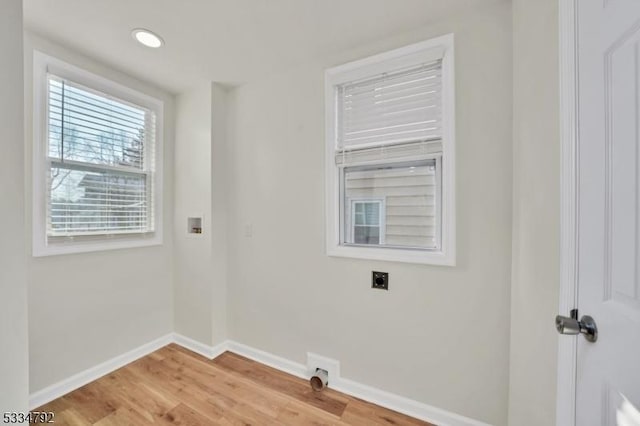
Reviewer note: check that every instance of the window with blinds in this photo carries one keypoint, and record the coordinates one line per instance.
(388, 119)
(100, 157)
(390, 140)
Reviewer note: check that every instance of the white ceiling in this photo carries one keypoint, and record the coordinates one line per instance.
(229, 41)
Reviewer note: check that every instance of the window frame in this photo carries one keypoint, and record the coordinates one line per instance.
(438, 48)
(42, 244)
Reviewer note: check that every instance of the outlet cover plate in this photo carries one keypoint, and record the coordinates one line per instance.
(380, 280)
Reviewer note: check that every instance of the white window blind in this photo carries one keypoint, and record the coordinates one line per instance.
(401, 107)
(101, 163)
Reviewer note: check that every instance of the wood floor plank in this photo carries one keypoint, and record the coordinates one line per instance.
(124, 416)
(93, 401)
(149, 402)
(257, 404)
(174, 386)
(184, 415)
(158, 376)
(298, 413)
(247, 414)
(361, 413)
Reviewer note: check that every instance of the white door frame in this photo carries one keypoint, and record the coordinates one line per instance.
(567, 346)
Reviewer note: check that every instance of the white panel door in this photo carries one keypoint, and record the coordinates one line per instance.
(608, 371)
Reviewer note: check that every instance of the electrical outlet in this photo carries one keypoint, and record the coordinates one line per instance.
(380, 280)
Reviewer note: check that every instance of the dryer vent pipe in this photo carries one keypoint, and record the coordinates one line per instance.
(319, 380)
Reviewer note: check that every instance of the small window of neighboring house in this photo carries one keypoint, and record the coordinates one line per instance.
(390, 156)
(95, 162)
(367, 222)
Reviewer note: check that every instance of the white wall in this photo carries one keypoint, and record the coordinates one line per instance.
(536, 213)
(441, 334)
(14, 375)
(87, 308)
(221, 184)
(201, 190)
(192, 285)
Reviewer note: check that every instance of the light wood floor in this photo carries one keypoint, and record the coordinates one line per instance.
(174, 386)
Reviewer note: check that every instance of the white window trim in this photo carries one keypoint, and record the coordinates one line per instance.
(381, 214)
(440, 47)
(42, 64)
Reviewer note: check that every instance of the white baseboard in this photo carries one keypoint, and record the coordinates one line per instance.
(78, 380)
(271, 360)
(199, 348)
(403, 405)
(376, 396)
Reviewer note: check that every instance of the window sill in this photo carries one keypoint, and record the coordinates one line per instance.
(43, 249)
(423, 257)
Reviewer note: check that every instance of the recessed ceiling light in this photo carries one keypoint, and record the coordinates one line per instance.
(147, 38)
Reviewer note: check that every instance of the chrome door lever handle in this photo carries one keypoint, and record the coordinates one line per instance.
(585, 326)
